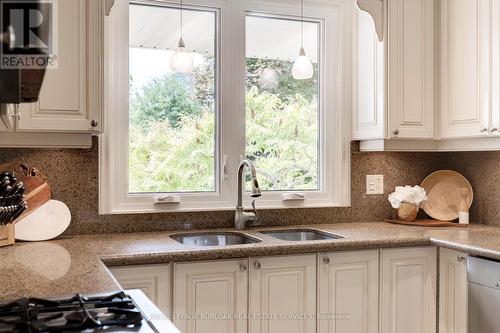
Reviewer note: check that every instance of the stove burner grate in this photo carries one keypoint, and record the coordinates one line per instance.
(77, 313)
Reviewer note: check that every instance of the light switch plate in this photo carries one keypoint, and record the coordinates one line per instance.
(374, 184)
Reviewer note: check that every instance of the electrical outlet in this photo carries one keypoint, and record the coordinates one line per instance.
(374, 184)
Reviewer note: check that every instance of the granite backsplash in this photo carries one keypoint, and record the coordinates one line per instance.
(73, 176)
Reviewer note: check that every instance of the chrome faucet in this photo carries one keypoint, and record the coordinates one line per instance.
(242, 217)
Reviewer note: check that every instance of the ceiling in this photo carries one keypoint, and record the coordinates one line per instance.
(157, 27)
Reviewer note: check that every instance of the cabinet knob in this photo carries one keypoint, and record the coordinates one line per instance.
(257, 265)
(493, 130)
(326, 260)
(243, 267)
(396, 132)
(460, 258)
(484, 129)
(94, 123)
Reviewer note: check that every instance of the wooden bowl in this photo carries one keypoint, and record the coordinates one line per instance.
(445, 194)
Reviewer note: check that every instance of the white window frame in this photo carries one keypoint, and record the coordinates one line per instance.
(335, 89)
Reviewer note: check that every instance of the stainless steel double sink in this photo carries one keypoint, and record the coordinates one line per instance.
(236, 238)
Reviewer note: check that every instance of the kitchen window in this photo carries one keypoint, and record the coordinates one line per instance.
(282, 114)
(173, 140)
(173, 116)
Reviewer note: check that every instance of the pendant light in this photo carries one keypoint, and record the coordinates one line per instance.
(269, 79)
(302, 67)
(181, 61)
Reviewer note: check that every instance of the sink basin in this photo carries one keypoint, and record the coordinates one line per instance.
(300, 235)
(214, 239)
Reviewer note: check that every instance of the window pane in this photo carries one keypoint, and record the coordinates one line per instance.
(282, 114)
(172, 115)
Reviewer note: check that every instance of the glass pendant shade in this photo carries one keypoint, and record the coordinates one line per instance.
(182, 60)
(269, 79)
(302, 68)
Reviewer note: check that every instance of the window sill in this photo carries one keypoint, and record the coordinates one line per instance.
(157, 209)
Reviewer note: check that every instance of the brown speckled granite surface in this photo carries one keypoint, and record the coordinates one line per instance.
(482, 169)
(73, 176)
(75, 264)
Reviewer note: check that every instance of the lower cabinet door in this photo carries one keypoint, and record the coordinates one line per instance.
(153, 280)
(348, 287)
(408, 290)
(452, 292)
(283, 294)
(211, 297)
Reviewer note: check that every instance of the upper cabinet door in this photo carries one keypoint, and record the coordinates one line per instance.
(408, 291)
(495, 62)
(410, 64)
(368, 119)
(218, 288)
(283, 286)
(465, 69)
(67, 101)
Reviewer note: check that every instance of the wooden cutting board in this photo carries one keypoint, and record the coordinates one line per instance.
(427, 223)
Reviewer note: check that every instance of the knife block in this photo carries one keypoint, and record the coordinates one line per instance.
(38, 192)
(7, 235)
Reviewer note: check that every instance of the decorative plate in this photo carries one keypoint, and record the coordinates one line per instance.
(443, 192)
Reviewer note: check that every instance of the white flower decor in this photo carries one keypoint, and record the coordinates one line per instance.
(414, 195)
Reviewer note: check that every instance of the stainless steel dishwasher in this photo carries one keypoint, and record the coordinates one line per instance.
(484, 295)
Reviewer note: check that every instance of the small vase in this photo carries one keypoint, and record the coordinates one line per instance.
(408, 212)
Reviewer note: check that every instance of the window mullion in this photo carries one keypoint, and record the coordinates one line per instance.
(233, 111)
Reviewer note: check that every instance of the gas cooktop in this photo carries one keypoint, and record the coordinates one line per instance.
(116, 312)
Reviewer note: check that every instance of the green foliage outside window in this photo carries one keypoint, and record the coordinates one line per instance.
(172, 131)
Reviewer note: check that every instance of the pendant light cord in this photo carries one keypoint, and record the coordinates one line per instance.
(302, 23)
(181, 17)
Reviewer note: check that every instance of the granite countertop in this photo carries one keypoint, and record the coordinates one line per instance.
(78, 264)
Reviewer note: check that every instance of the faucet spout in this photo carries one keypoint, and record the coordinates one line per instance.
(243, 217)
(241, 180)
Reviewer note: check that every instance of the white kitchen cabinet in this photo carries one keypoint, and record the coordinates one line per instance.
(408, 290)
(368, 117)
(393, 94)
(153, 280)
(495, 70)
(465, 68)
(209, 295)
(283, 289)
(410, 80)
(348, 283)
(452, 291)
(71, 95)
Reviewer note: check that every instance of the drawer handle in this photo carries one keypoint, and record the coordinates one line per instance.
(243, 267)
(460, 258)
(257, 265)
(396, 132)
(326, 260)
